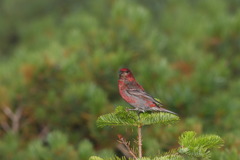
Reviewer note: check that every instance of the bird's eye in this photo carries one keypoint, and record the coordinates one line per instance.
(127, 71)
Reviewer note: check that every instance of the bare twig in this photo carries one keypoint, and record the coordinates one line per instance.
(121, 140)
(140, 141)
(124, 150)
(5, 126)
(14, 117)
(139, 137)
(44, 132)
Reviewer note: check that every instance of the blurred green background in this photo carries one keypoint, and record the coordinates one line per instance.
(58, 72)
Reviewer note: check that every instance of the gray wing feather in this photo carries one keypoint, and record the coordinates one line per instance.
(143, 95)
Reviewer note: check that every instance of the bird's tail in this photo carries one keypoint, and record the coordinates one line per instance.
(163, 110)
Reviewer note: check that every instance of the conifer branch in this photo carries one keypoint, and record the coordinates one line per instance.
(121, 117)
(190, 145)
(158, 118)
(95, 158)
(198, 146)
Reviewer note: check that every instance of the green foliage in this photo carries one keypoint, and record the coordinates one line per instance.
(227, 154)
(95, 158)
(12, 142)
(59, 62)
(198, 146)
(56, 146)
(168, 157)
(85, 149)
(113, 158)
(190, 146)
(122, 117)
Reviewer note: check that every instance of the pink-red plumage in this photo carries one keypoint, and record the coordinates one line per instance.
(134, 94)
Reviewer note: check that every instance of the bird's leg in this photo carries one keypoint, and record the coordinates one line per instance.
(136, 109)
(140, 111)
(129, 114)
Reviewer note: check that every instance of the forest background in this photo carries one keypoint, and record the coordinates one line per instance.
(59, 64)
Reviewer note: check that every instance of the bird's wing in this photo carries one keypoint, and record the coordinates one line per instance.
(143, 95)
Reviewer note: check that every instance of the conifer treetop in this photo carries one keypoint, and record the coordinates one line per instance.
(122, 117)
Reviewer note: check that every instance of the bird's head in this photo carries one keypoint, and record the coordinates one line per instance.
(126, 74)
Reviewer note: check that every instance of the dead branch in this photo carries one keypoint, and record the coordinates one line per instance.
(126, 144)
(14, 118)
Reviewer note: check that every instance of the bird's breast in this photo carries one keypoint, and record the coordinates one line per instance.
(125, 95)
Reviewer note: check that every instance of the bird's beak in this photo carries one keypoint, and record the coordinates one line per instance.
(119, 74)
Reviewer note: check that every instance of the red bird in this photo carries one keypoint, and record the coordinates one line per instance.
(134, 94)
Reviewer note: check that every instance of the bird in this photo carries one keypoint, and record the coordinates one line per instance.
(134, 94)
